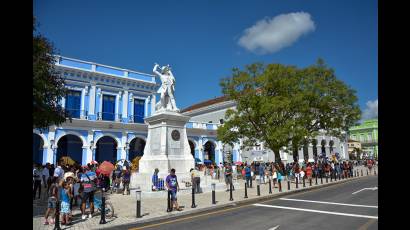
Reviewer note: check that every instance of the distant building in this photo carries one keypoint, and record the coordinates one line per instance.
(352, 145)
(367, 135)
(212, 112)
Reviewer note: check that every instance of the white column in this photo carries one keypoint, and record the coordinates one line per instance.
(220, 150)
(131, 96)
(90, 139)
(63, 102)
(91, 108)
(117, 106)
(310, 151)
(87, 155)
(54, 152)
(100, 99)
(124, 140)
(49, 156)
(146, 106)
(200, 150)
(125, 105)
(82, 103)
(153, 101)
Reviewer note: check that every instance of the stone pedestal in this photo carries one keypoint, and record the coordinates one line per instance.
(167, 147)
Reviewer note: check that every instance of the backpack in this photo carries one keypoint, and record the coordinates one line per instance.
(90, 184)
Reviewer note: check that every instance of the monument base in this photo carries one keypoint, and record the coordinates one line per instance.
(167, 147)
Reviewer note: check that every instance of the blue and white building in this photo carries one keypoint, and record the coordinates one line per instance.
(108, 106)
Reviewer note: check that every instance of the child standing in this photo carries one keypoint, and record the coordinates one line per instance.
(52, 201)
(65, 196)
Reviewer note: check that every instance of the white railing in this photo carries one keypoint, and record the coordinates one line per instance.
(95, 67)
(201, 125)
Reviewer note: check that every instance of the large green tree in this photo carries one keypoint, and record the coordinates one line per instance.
(48, 87)
(267, 100)
(285, 106)
(330, 106)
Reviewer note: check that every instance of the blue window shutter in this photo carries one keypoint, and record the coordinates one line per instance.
(108, 107)
(139, 106)
(73, 103)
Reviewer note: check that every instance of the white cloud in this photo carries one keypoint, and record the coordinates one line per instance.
(271, 35)
(372, 110)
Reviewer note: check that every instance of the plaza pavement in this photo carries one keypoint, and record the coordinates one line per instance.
(154, 207)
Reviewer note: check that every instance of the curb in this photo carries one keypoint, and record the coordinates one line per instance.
(242, 202)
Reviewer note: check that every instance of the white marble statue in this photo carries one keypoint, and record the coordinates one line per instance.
(166, 90)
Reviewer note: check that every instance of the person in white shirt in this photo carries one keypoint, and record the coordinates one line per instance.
(59, 172)
(45, 175)
(37, 181)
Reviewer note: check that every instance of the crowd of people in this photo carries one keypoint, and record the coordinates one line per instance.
(279, 171)
(69, 185)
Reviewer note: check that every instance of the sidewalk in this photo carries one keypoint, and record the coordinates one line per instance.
(154, 208)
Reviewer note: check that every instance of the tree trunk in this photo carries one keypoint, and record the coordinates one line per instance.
(295, 154)
(277, 154)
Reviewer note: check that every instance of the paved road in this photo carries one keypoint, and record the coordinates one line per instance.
(352, 211)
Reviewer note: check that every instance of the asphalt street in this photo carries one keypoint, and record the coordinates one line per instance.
(333, 207)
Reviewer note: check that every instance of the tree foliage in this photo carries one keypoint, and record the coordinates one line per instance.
(285, 106)
(48, 87)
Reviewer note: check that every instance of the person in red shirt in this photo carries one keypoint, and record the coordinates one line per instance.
(309, 171)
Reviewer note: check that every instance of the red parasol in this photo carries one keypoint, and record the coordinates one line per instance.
(94, 162)
(238, 163)
(106, 167)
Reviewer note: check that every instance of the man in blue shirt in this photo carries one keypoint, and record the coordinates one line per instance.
(262, 173)
(248, 175)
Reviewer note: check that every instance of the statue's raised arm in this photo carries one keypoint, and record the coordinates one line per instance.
(155, 69)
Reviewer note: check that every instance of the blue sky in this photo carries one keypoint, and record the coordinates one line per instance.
(204, 40)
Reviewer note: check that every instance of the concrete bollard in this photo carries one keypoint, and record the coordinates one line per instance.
(169, 208)
(297, 182)
(138, 196)
(258, 188)
(280, 185)
(193, 198)
(246, 190)
(230, 192)
(102, 220)
(57, 219)
(213, 193)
